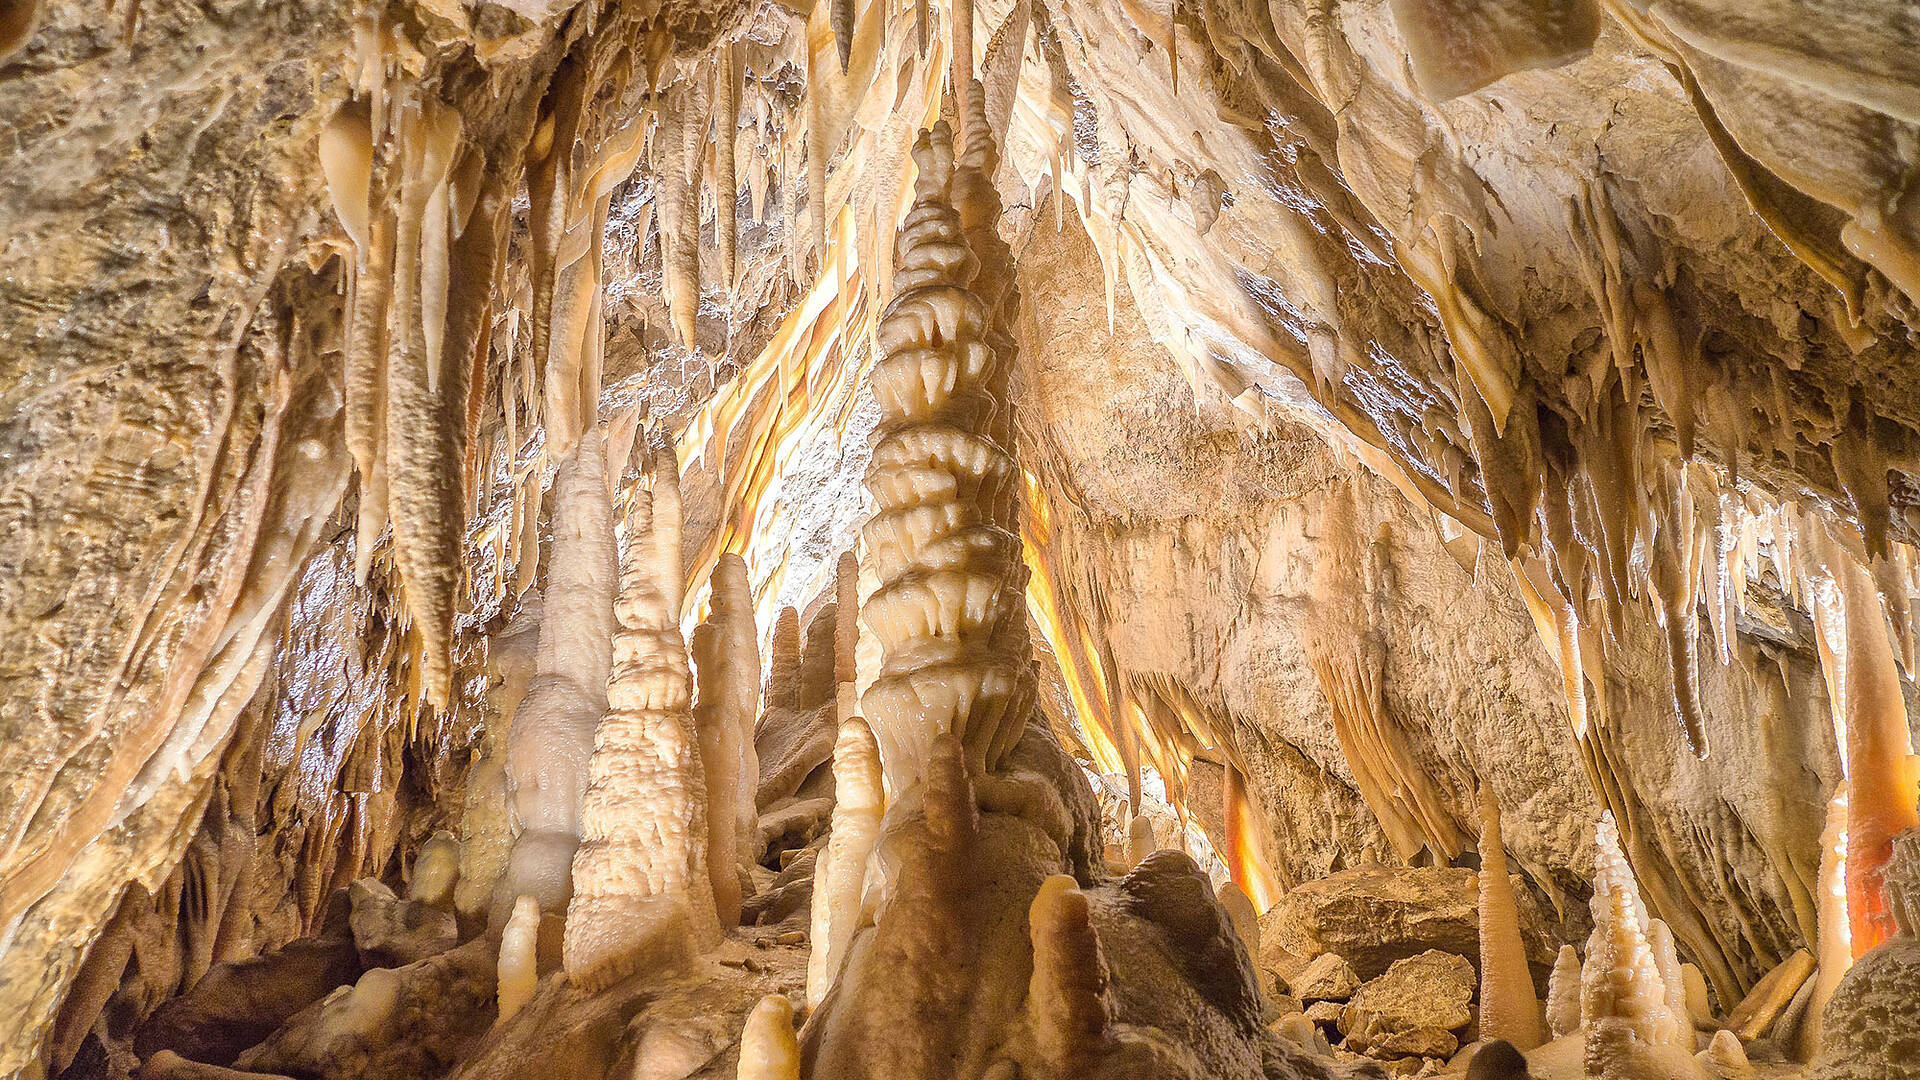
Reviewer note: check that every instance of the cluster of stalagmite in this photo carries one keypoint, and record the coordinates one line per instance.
(641, 882)
(950, 612)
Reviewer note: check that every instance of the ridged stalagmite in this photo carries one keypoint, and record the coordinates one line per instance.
(642, 893)
(950, 612)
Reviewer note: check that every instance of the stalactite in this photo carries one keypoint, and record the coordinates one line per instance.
(727, 655)
(1834, 945)
(726, 179)
(840, 872)
(1870, 724)
(1509, 1009)
(681, 140)
(950, 613)
(643, 894)
(423, 460)
(1347, 659)
(1673, 575)
(553, 730)
(550, 182)
(841, 16)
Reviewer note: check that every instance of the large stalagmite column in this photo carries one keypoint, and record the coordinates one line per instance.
(727, 652)
(641, 886)
(1509, 1008)
(950, 612)
(553, 730)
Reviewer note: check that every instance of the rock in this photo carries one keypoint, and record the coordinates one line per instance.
(1285, 966)
(1374, 916)
(1325, 978)
(1412, 1009)
(1871, 1029)
(391, 932)
(1324, 1012)
(1286, 1005)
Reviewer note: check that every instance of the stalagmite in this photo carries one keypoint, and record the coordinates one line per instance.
(1140, 841)
(950, 613)
(1563, 994)
(846, 637)
(1067, 998)
(518, 968)
(435, 870)
(553, 730)
(727, 655)
(1870, 716)
(1628, 1028)
(840, 873)
(768, 1050)
(1244, 916)
(643, 894)
(1725, 1058)
(1509, 1008)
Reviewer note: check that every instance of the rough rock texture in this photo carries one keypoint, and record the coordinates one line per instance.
(1326, 978)
(1871, 1030)
(1370, 918)
(1413, 1009)
(1487, 297)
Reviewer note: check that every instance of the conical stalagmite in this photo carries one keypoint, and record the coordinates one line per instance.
(642, 889)
(1509, 1009)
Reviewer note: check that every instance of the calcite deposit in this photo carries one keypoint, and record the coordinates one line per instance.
(966, 540)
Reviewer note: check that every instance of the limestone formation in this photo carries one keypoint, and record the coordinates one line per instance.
(1366, 442)
(643, 893)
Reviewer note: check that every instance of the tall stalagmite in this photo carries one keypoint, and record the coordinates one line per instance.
(1509, 1008)
(642, 893)
(726, 653)
(553, 730)
(950, 612)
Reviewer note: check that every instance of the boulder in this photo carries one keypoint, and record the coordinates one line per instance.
(1325, 978)
(1374, 916)
(1324, 1012)
(392, 932)
(1413, 1009)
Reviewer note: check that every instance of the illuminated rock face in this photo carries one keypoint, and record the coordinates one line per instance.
(1423, 402)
